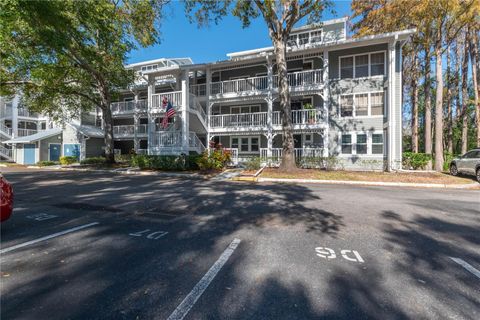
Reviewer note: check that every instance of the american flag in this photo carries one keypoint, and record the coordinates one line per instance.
(169, 112)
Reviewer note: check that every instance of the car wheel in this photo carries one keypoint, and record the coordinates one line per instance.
(478, 174)
(453, 170)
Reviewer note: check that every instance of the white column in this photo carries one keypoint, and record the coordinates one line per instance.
(391, 106)
(269, 100)
(15, 103)
(185, 113)
(326, 105)
(135, 122)
(208, 104)
(151, 119)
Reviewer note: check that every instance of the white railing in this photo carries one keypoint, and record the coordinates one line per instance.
(129, 130)
(199, 90)
(26, 132)
(240, 85)
(259, 84)
(233, 155)
(5, 129)
(196, 106)
(310, 116)
(238, 120)
(304, 78)
(142, 105)
(166, 139)
(300, 153)
(22, 112)
(122, 107)
(5, 152)
(194, 143)
(175, 98)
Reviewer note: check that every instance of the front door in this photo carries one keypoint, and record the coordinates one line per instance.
(29, 153)
(54, 152)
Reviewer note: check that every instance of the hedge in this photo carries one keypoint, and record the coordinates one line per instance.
(68, 160)
(166, 163)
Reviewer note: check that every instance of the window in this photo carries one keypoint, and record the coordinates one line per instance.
(377, 64)
(377, 143)
(376, 101)
(302, 39)
(292, 40)
(234, 143)
(361, 66)
(361, 104)
(346, 143)
(254, 144)
(315, 36)
(244, 109)
(346, 106)
(244, 145)
(346, 68)
(361, 144)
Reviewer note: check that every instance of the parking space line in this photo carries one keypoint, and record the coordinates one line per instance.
(184, 307)
(467, 266)
(61, 233)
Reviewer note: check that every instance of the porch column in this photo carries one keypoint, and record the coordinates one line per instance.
(391, 103)
(135, 123)
(208, 105)
(151, 119)
(15, 103)
(185, 113)
(326, 105)
(269, 100)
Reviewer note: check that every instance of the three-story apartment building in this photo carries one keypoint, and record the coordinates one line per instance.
(345, 101)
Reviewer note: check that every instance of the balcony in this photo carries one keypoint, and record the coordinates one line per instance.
(26, 132)
(258, 120)
(128, 131)
(128, 107)
(175, 98)
(298, 81)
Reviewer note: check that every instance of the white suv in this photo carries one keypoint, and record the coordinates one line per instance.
(468, 164)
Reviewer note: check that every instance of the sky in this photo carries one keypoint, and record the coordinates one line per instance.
(180, 38)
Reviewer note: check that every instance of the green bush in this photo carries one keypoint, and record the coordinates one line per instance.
(94, 161)
(166, 163)
(415, 160)
(448, 157)
(46, 163)
(217, 159)
(68, 160)
(123, 157)
(253, 163)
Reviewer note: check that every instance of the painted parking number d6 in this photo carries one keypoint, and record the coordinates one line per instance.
(149, 235)
(329, 254)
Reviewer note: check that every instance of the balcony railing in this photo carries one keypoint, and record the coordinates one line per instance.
(126, 107)
(299, 154)
(164, 142)
(26, 132)
(239, 120)
(22, 112)
(310, 116)
(175, 98)
(5, 152)
(196, 106)
(199, 90)
(129, 130)
(6, 130)
(260, 84)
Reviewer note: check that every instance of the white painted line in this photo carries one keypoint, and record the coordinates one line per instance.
(467, 266)
(183, 308)
(61, 233)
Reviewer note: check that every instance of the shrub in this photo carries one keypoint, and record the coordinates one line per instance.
(94, 160)
(217, 159)
(411, 160)
(167, 163)
(123, 157)
(46, 163)
(448, 157)
(68, 160)
(253, 163)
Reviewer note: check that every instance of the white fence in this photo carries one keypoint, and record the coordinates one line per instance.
(301, 154)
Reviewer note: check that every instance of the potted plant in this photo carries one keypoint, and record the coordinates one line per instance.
(310, 113)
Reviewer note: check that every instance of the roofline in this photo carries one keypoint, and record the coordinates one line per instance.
(141, 63)
(267, 50)
(14, 141)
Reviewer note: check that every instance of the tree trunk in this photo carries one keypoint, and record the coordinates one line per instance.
(107, 126)
(288, 156)
(450, 90)
(414, 101)
(439, 105)
(476, 88)
(464, 112)
(428, 107)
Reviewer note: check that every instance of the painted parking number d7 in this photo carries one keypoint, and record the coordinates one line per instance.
(329, 254)
(149, 235)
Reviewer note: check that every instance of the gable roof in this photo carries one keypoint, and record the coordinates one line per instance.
(41, 135)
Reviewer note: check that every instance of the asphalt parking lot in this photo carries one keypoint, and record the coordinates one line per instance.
(97, 246)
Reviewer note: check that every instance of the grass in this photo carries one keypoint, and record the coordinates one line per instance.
(405, 177)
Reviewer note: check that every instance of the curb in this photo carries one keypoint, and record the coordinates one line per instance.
(373, 183)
